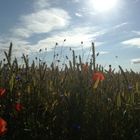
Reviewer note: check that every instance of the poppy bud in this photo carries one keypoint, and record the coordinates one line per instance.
(18, 107)
(3, 126)
(2, 91)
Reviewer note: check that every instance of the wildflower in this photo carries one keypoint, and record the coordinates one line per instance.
(2, 91)
(130, 87)
(97, 76)
(76, 126)
(18, 78)
(3, 126)
(18, 107)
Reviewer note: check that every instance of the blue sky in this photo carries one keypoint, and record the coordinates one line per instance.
(38, 24)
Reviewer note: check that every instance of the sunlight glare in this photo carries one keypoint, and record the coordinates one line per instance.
(103, 5)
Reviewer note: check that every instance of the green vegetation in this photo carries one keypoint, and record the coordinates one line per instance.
(48, 103)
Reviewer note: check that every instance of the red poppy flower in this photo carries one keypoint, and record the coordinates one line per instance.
(98, 76)
(18, 106)
(2, 91)
(3, 126)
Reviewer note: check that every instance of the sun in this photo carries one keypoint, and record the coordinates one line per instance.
(103, 5)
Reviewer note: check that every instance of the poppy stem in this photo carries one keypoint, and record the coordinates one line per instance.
(96, 83)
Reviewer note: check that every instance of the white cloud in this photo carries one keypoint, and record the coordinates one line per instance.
(42, 21)
(120, 25)
(132, 42)
(19, 47)
(135, 61)
(78, 15)
(73, 38)
(136, 32)
(45, 20)
(103, 52)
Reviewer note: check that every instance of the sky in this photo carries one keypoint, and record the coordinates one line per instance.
(36, 26)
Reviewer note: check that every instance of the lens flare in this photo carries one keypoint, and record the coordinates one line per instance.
(103, 5)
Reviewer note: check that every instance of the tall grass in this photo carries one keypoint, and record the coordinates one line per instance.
(62, 104)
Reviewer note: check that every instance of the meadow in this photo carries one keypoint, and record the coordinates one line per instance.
(80, 102)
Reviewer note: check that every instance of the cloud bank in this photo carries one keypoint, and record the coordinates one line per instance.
(132, 42)
(135, 61)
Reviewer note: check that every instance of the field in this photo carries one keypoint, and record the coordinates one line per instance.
(80, 102)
